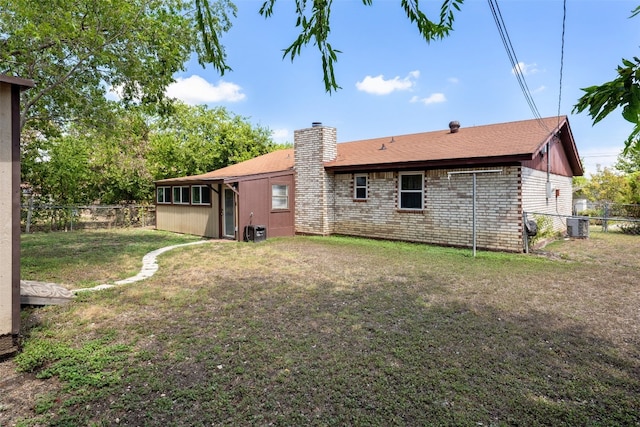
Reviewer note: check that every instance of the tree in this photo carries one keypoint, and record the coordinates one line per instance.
(623, 91)
(629, 161)
(119, 159)
(60, 171)
(198, 139)
(608, 186)
(75, 50)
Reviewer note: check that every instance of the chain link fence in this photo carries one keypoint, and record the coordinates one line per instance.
(600, 216)
(40, 217)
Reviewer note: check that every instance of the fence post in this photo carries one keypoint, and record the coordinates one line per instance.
(525, 235)
(27, 227)
(605, 223)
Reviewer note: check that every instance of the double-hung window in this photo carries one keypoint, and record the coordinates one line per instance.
(279, 196)
(181, 195)
(163, 195)
(411, 191)
(360, 187)
(200, 195)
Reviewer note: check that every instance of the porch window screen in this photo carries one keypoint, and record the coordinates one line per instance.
(411, 191)
(279, 196)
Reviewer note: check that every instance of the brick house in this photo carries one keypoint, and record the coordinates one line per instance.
(416, 187)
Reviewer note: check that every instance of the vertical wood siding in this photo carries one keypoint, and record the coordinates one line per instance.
(196, 220)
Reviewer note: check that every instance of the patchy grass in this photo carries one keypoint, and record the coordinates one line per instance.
(85, 258)
(341, 331)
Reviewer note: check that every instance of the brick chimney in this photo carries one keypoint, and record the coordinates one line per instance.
(314, 186)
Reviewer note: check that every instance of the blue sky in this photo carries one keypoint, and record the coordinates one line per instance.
(394, 83)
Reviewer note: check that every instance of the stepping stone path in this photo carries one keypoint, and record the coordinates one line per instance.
(44, 293)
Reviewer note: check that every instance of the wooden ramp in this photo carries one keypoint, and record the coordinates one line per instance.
(43, 293)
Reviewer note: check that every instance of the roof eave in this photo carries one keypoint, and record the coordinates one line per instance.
(222, 179)
(433, 164)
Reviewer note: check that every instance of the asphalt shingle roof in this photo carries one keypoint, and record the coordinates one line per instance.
(512, 141)
(520, 139)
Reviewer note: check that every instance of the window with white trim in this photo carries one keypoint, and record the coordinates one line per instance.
(411, 191)
(279, 196)
(163, 195)
(360, 186)
(181, 195)
(200, 195)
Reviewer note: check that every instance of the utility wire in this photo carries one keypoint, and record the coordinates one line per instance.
(506, 41)
(564, 20)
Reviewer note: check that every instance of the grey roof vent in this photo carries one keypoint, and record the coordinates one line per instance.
(316, 124)
(454, 126)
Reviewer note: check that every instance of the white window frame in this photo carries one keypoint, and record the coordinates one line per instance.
(163, 190)
(180, 193)
(281, 197)
(410, 191)
(200, 191)
(357, 187)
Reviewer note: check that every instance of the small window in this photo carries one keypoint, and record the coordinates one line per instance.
(279, 196)
(360, 187)
(200, 195)
(411, 191)
(163, 195)
(181, 195)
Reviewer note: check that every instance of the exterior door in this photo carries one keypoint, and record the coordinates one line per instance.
(229, 214)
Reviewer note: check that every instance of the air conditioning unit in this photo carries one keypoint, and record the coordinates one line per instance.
(578, 227)
(255, 233)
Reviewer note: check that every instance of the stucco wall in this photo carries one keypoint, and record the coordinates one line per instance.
(447, 216)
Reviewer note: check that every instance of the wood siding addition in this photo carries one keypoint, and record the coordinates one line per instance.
(255, 206)
(196, 220)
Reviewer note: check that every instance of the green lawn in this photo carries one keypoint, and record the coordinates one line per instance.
(341, 331)
(79, 259)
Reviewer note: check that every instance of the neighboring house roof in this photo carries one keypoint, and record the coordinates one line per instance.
(276, 161)
(489, 144)
(501, 143)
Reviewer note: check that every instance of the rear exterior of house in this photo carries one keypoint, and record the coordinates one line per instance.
(417, 188)
(223, 203)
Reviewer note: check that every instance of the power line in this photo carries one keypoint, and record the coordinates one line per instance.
(506, 41)
(564, 20)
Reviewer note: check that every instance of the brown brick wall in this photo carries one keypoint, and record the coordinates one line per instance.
(448, 213)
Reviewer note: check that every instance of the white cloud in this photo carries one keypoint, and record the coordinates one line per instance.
(525, 69)
(196, 90)
(434, 98)
(379, 86)
(453, 80)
